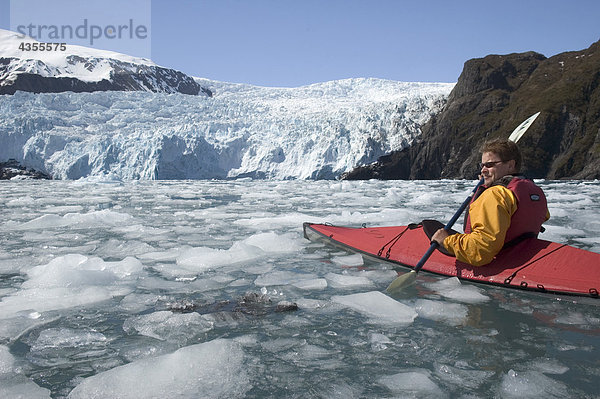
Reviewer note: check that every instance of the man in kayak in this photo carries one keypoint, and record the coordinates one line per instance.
(506, 209)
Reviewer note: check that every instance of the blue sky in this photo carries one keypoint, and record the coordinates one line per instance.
(298, 42)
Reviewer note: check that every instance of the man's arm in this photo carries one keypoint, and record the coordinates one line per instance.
(490, 218)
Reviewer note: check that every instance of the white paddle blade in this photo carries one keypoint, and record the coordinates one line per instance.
(402, 282)
(520, 130)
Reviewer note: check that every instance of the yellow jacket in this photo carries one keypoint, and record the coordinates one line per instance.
(490, 219)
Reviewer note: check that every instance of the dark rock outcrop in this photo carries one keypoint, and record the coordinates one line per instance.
(495, 94)
(12, 168)
(251, 303)
(123, 77)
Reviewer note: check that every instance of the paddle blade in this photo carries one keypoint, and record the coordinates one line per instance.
(401, 282)
(520, 130)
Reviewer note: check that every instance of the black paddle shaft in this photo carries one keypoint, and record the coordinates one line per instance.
(448, 226)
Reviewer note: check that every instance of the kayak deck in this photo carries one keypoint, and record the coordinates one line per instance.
(532, 264)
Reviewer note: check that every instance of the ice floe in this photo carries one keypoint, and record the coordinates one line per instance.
(71, 281)
(378, 307)
(212, 369)
(531, 384)
(451, 313)
(413, 384)
(452, 288)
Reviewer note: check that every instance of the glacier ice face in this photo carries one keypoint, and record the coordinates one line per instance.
(228, 131)
(312, 132)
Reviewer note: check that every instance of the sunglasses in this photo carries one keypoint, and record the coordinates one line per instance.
(488, 165)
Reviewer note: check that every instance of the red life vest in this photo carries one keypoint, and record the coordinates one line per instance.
(531, 210)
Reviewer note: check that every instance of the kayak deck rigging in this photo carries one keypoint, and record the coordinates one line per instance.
(532, 264)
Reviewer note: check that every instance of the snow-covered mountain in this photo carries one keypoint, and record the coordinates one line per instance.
(82, 69)
(311, 132)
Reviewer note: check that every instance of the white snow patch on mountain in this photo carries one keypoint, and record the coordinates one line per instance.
(28, 65)
(57, 63)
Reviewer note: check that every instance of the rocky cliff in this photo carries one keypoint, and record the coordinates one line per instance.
(12, 169)
(492, 96)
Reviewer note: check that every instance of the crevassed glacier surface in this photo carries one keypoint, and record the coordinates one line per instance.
(311, 132)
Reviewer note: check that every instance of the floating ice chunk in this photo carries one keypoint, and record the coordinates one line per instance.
(281, 277)
(58, 347)
(462, 377)
(380, 276)
(104, 217)
(379, 338)
(311, 284)
(220, 278)
(137, 303)
(47, 299)
(15, 385)
(575, 318)
(379, 341)
(453, 289)
(282, 344)
(10, 266)
(22, 202)
(412, 384)
(202, 258)
(378, 307)
(344, 281)
(121, 249)
(247, 340)
(311, 352)
(63, 209)
(349, 260)
(427, 198)
(296, 322)
(314, 304)
(531, 384)
(70, 281)
(21, 387)
(240, 282)
(288, 220)
(275, 243)
(6, 361)
(161, 256)
(39, 236)
(11, 329)
(548, 366)
(339, 390)
(209, 370)
(315, 357)
(79, 270)
(451, 313)
(561, 233)
(166, 325)
(66, 338)
(45, 222)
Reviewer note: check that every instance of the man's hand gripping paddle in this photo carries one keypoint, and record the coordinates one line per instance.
(409, 278)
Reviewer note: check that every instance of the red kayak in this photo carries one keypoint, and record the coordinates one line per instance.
(532, 264)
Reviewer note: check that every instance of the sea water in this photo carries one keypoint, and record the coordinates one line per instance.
(170, 289)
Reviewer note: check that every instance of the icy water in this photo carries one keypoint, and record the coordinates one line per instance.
(171, 289)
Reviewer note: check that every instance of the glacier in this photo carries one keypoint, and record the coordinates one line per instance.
(106, 115)
(312, 132)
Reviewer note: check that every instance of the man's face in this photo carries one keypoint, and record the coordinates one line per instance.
(494, 168)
